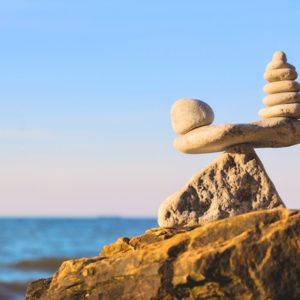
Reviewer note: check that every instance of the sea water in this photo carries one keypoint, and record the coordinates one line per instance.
(31, 248)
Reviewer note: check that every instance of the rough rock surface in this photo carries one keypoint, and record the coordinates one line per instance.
(251, 256)
(268, 133)
(233, 184)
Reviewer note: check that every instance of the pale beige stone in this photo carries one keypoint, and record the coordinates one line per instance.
(282, 98)
(291, 110)
(279, 55)
(233, 184)
(281, 87)
(280, 74)
(268, 133)
(188, 114)
(279, 64)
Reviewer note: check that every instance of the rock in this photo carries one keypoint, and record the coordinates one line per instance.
(282, 98)
(279, 55)
(280, 74)
(188, 114)
(281, 87)
(291, 110)
(279, 64)
(268, 133)
(233, 184)
(251, 256)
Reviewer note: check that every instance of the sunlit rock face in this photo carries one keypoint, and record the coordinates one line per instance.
(251, 256)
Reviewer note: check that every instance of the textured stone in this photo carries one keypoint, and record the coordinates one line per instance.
(251, 256)
(233, 184)
(281, 87)
(274, 133)
(282, 98)
(291, 110)
(280, 74)
(188, 114)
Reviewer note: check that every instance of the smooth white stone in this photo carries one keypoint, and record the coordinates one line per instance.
(188, 114)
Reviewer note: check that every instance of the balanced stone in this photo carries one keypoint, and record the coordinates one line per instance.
(280, 74)
(188, 114)
(281, 87)
(282, 98)
(279, 64)
(291, 110)
(279, 55)
(233, 184)
(268, 133)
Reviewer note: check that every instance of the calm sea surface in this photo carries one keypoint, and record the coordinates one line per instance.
(33, 248)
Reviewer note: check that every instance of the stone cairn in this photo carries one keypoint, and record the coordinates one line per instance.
(284, 98)
(236, 182)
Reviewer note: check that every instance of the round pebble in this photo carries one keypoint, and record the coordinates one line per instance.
(281, 98)
(279, 55)
(284, 110)
(188, 114)
(280, 74)
(281, 87)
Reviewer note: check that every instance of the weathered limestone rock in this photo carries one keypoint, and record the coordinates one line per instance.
(188, 114)
(282, 98)
(291, 110)
(268, 133)
(233, 184)
(251, 256)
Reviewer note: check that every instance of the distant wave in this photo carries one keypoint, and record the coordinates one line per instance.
(49, 264)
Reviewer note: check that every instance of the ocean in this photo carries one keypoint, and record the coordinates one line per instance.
(33, 248)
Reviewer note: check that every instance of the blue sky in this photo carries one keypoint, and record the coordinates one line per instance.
(87, 86)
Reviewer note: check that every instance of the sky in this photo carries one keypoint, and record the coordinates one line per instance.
(87, 87)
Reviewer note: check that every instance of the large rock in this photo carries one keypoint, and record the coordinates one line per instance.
(233, 184)
(251, 256)
(268, 133)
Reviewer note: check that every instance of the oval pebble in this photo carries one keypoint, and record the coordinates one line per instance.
(284, 110)
(278, 64)
(280, 74)
(188, 114)
(279, 55)
(282, 98)
(281, 87)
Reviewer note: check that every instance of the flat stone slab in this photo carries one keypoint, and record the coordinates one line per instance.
(268, 133)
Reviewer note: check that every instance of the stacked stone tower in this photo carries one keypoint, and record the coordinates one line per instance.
(283, 99)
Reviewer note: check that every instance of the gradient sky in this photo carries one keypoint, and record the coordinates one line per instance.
(87, 86)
